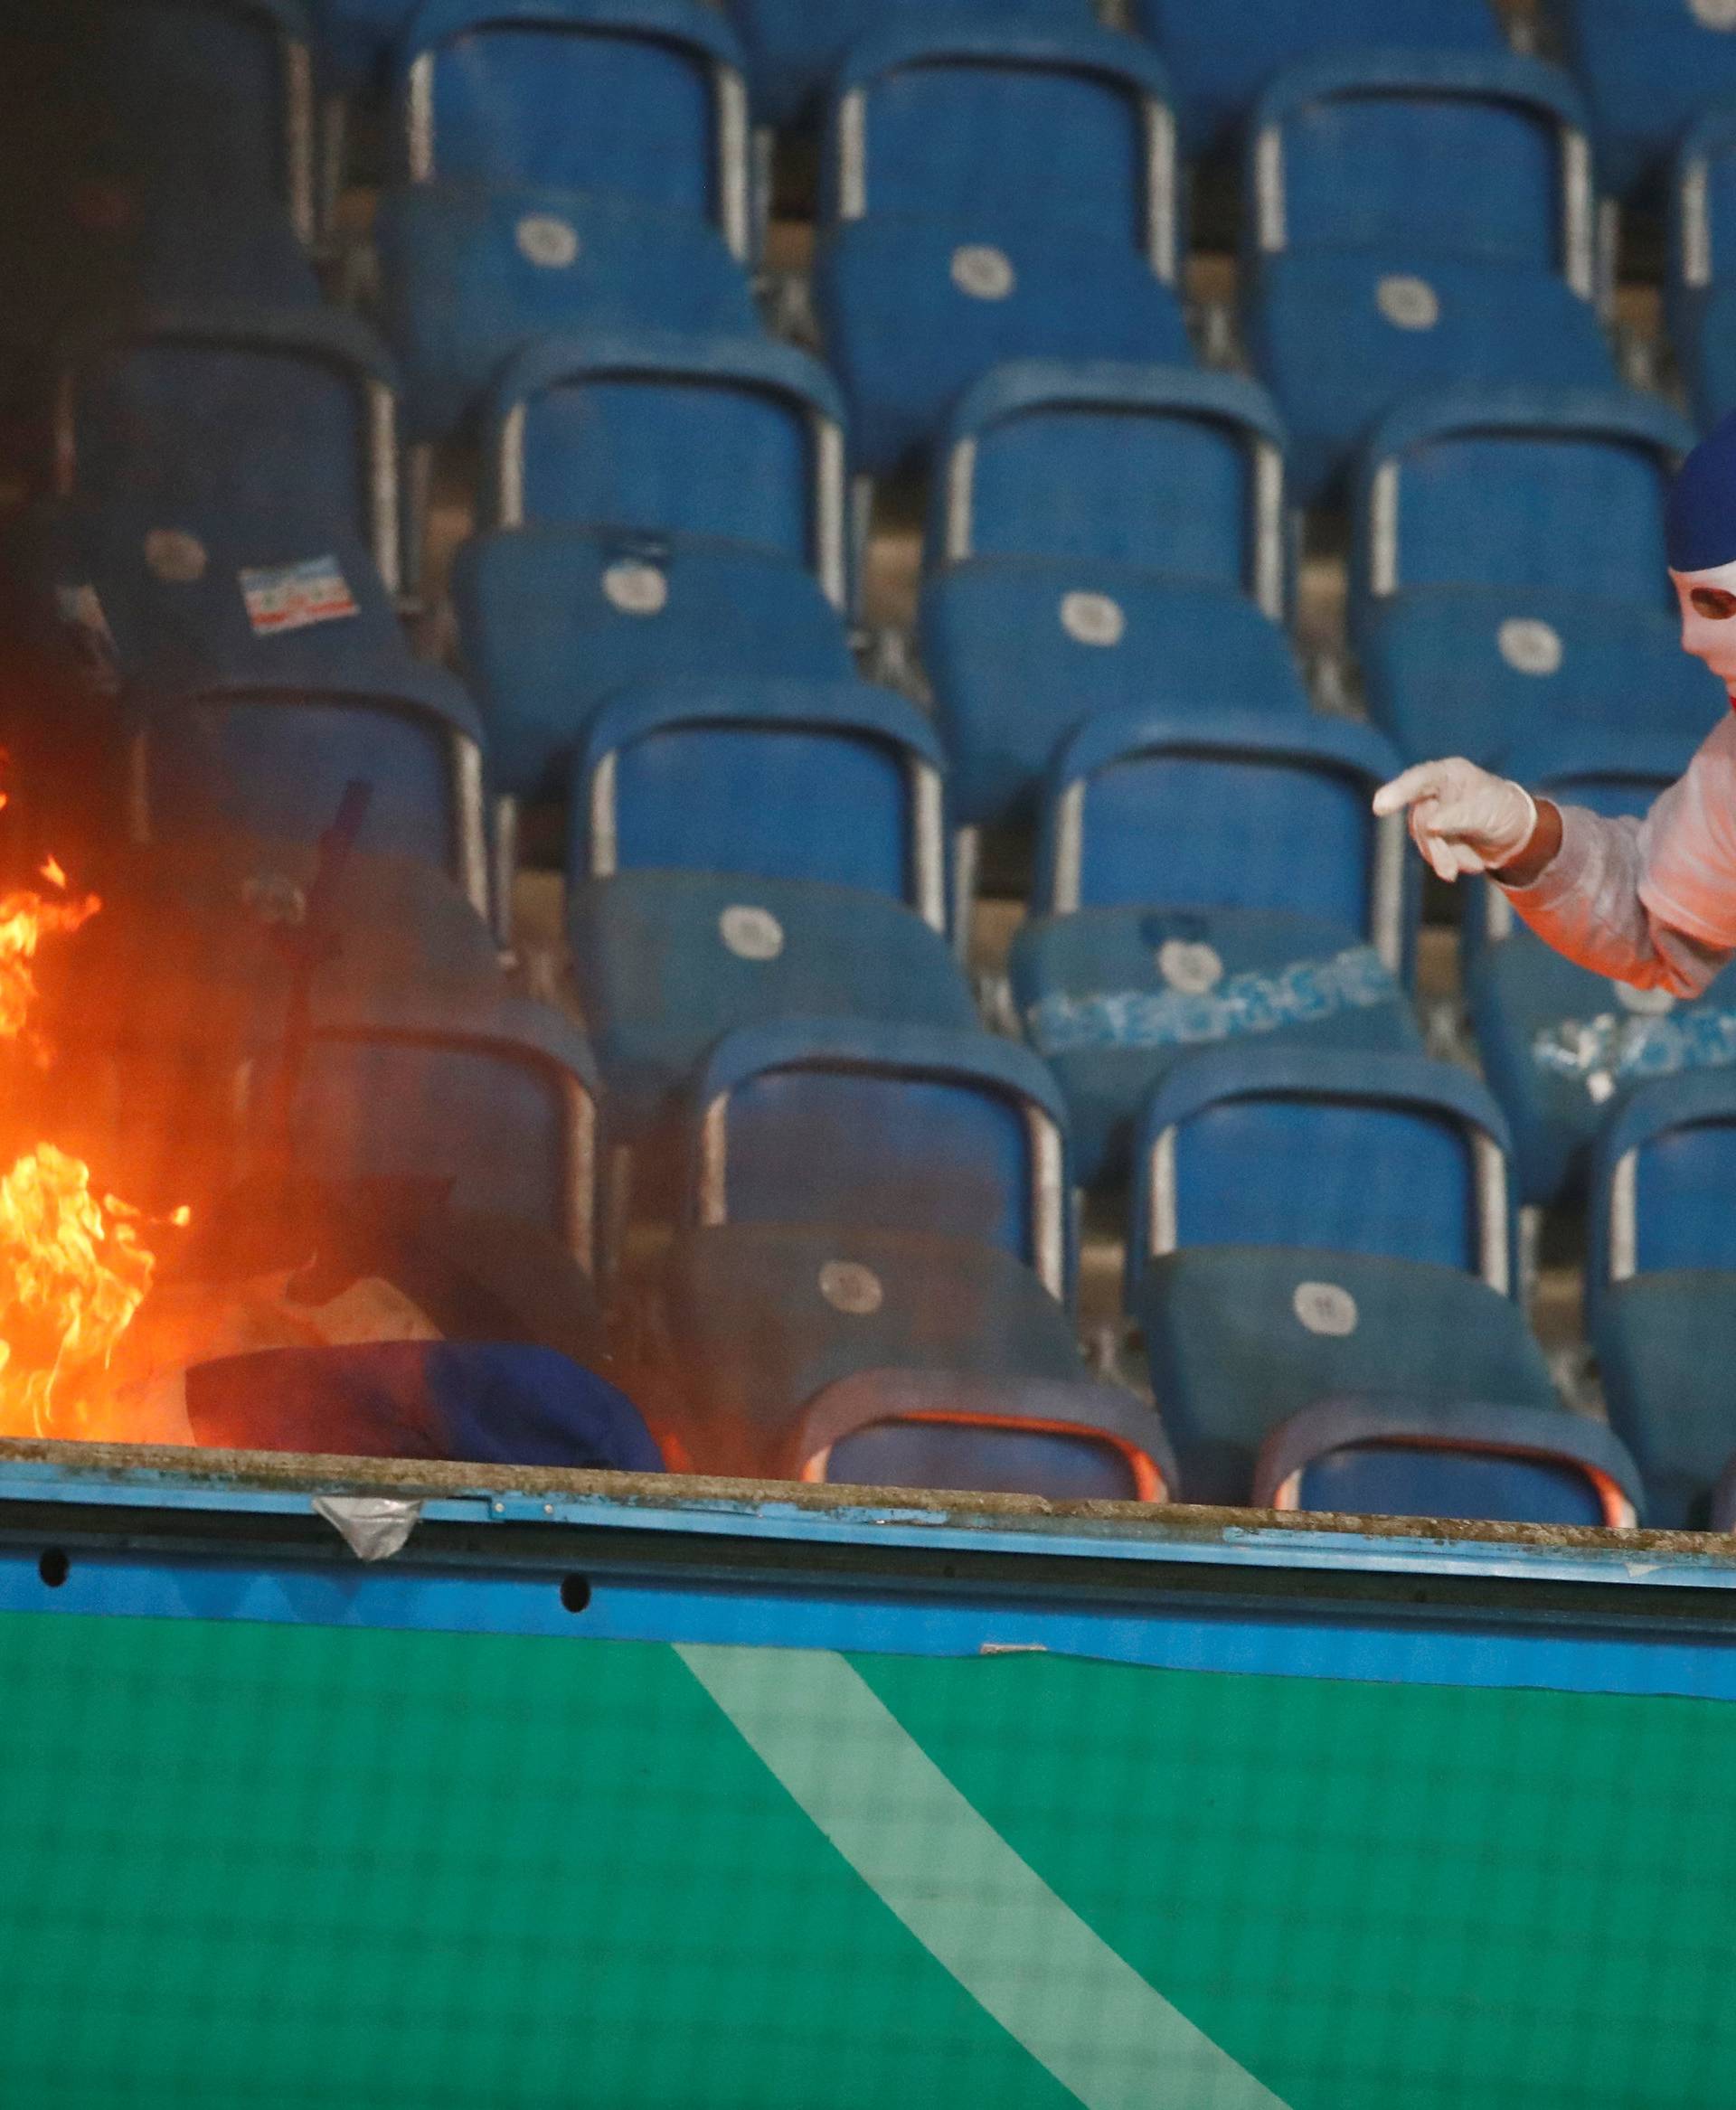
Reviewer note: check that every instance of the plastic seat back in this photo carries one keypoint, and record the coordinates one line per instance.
(1557, 490)
(1222, 55)
(956, 122)
(795, 46)
(1375, 1153)
(1480, 159)
(226, 406)
(1646, 69)
(1078, 1442)
(640, 97)
(1500, 1464)
(1226, 809)
(1661, 1184)
(885, 1127)
(735, 438)
(838, 783)
(494, 1102)
(1174, 471)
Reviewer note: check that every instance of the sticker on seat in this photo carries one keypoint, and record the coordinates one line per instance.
(751, 934)
(1192, 969)
(983, 271)
(1530, 646)
(1326, 1308)
(1093, 618)
(851, 1288)
(547, 240)
(294, 597)
(176, 557)
(1407, 303)
(636, 589)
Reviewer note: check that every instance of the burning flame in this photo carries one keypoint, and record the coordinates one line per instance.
(73, 1267)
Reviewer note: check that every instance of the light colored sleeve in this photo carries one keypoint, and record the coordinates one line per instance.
(1652, 902)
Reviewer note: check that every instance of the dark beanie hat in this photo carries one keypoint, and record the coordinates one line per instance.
(1699, 525)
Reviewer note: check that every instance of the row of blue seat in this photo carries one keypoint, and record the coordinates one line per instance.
(1100, 533)
(809, 1149)
(591, 169)
(1646, 67)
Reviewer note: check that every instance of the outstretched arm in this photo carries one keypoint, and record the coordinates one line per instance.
(1652, 902)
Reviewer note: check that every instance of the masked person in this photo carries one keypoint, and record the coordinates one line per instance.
(1651, 902)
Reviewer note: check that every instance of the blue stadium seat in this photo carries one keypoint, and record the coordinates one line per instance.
(258, 670)
(183, 993)
(1364, 1152)
(1021, 652)
(956, 238)
(267, 759)
(667, 960)
(1510, 569)
(748, 852)
(1200, 880)
(566, 164)
(471, 1401)
(1660, 1285)
(1240, 1338)
(494, 1105)
(1699, 291)
(739, 439)
(196, 104)
(1562, 1046)
(1219, 56)
(1416, 221)
(885, 1127)
(290, 413)
(795, 46)
(1067, 1442)
(1497, 1464)
(1560, 489)
(748, 1324)
(1170, 469)
(798, 780)
(552, 621)
(1646, 68)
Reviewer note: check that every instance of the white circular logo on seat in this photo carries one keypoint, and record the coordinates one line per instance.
(636, 589)
(1093, 618)
(1713, 13)
(274, 898)
(851, 1288)
(1192, 969)
(176, 557)
(1644, 1003)
(1530, 646)
(751, 934)
(1407, 303)
(983, 271)
(548, 242)
(1323, 1307)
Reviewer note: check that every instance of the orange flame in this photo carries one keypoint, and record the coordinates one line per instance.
(74, 1268)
